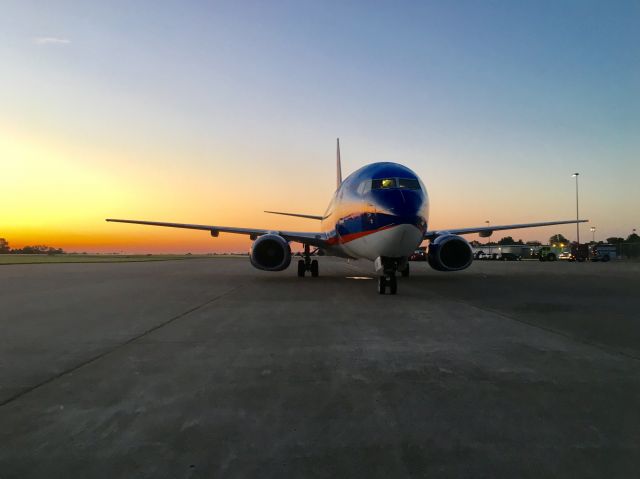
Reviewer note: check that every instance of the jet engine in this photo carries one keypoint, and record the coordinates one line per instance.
(270, 252)
(450, 253)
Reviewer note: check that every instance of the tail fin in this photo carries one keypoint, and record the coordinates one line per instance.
(338, 166)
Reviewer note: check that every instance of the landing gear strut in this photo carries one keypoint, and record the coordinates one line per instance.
(307, 264)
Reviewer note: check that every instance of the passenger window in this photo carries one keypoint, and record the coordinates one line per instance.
(409, 183)
(383, 184)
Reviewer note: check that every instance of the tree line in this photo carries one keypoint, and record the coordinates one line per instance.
(625, 248)
(560, 239)
(5, 248)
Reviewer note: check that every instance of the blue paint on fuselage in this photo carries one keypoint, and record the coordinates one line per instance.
(357, 208)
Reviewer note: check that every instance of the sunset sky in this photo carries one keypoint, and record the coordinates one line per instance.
(211, 112)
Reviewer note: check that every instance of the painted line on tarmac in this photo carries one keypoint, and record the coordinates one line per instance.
(583, 341)
(117, 347)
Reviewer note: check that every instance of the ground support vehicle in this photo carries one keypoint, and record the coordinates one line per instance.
(579, 252)
(603, 252)
(419, 255)
(549, 253)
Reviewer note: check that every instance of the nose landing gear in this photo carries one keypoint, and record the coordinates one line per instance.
(405, 271)
(389, 281)
(387, 268)
(307, 264)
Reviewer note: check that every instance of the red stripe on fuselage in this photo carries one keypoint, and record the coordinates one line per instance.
(353, 236)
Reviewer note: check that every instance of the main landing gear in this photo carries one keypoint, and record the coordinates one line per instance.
(307, 264)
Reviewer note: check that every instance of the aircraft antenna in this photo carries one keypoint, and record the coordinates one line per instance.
(338, 165)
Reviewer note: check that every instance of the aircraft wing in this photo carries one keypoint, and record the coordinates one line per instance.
(310, 238)
(299, 215)
(486, 231)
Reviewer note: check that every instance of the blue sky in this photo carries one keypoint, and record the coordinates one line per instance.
(494, 104)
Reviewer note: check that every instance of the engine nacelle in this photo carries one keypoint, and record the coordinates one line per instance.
(450, 253)
(270, 252)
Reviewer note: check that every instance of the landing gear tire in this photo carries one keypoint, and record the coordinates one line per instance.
(306, 264)
(393, 284)
(405, 271)
(382, 284)
(387, 281)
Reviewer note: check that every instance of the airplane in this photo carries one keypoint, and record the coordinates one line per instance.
(380, 213)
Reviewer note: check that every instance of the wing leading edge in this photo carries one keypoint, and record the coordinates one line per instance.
(487, 230)
(299, 215)
(310, 238)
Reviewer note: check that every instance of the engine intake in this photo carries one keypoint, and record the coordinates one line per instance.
(450, 253)
(270, 252)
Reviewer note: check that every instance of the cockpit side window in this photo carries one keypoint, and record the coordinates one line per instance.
(364, 187)
(408, 183)
(383, 183)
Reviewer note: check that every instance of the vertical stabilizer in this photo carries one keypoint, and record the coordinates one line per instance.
(338, 166)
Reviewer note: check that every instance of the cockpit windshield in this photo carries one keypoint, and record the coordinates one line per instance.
(383, 184)
(409, 183)
(402, 183)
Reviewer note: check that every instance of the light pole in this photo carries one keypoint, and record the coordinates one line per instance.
(577, 210)
(593, 234)
(489, 240)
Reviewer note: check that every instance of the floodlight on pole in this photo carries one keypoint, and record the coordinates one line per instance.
(593, 234)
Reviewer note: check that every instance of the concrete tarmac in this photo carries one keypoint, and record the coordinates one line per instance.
(210, 368)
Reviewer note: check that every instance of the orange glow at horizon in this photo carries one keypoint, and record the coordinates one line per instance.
(54, 195)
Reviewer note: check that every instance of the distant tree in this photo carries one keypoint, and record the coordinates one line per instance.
(475, 243)
(558, 238)
(633, 238)
(534, 243)
(507, 240)
(38, 249)
(615, 240)
(4, 246)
